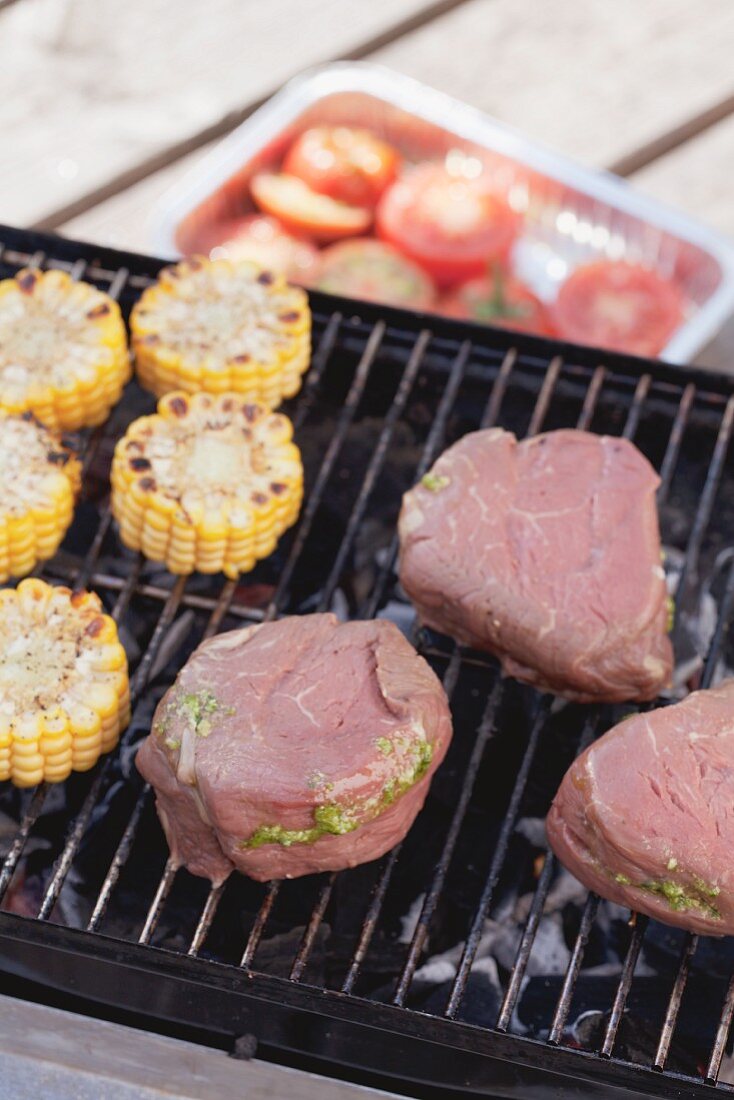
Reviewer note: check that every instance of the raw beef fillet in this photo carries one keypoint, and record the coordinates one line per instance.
(295, 746)
(645, 816)
(547, 554)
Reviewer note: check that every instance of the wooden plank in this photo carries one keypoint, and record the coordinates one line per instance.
(92, 92)
(125, 220)
(697, 177)
(53, 1053)
(595, 80)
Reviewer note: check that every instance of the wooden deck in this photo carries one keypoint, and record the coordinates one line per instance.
(104, 105)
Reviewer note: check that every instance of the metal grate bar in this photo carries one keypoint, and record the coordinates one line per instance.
(377, 461)
(671, 1015)
(542, 887)
(420, 935)
(253, 940)
(703, 513)
(319, 360)
(498, 859)
(633, 416)
(590, 399)
(499, 389)
(64, 862)
(572, 972)
(722, 1034)
(163, 889)
(346, 417)
(118, 861)
(205, 920)
(544, 397)
(667, 468)
(431, 447)
(625, 982)
(317, 915)
(369, 923)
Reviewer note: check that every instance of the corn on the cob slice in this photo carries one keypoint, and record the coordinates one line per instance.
(210, 483)
(39, 481)
(220, 326)
(64, 696)
(63, 350)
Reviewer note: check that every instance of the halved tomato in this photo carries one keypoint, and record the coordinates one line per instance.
(373, 271)
(263, 239)
(618, 305)
(302, 210)
(500, 300)
(348, 164)
(450, 222)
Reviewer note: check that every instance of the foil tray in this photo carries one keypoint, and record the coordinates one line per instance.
(573, 214)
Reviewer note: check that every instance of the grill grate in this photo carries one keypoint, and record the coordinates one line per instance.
(320, 966)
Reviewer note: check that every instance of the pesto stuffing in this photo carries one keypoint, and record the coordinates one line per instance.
(334, 820)
(670, 604)
(679, 897)
(435, 482)
(198, 706)
(385, 745)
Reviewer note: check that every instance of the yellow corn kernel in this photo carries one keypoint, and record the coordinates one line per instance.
(63, 350)
(64, 695)
(39, 479)
(243, 330)
(233, 489)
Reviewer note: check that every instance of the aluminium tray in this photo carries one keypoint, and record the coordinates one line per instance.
(573, 214)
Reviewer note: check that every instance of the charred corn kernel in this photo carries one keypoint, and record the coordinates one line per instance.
(39, 481)
(222, 327)
(64, 693)
(63, 350)
(210, 483)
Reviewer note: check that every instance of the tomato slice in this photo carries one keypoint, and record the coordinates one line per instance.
(263, 239)
(302, 210)
(499, 300)
(619, 305)
(376, 272)
(452, 223)
(351, 165)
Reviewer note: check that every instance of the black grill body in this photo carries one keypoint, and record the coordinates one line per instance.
(329, 968)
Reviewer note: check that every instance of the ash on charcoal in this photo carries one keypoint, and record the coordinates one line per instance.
(637, 1041)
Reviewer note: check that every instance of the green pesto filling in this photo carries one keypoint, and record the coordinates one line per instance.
(670, 604)
(435, 482)
(677, 896)
(335, 820)
(385, 745)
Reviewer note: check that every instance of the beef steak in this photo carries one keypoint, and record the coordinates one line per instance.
(295, 746)
(644, 816)
(547, 554)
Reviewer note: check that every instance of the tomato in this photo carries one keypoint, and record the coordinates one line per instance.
(449, 222)
(618, 305)
(264, 240)
(498, 300)
(373, 271)
(302, 210)
(353, 166)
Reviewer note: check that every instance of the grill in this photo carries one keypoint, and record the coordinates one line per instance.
(383, 968)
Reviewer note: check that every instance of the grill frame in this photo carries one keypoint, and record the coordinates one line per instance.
(340, 1028)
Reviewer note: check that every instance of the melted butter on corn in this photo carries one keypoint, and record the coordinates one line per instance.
(39, 480)
(209, 483)
(64, 695)
(221, 326)
(63, 349)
